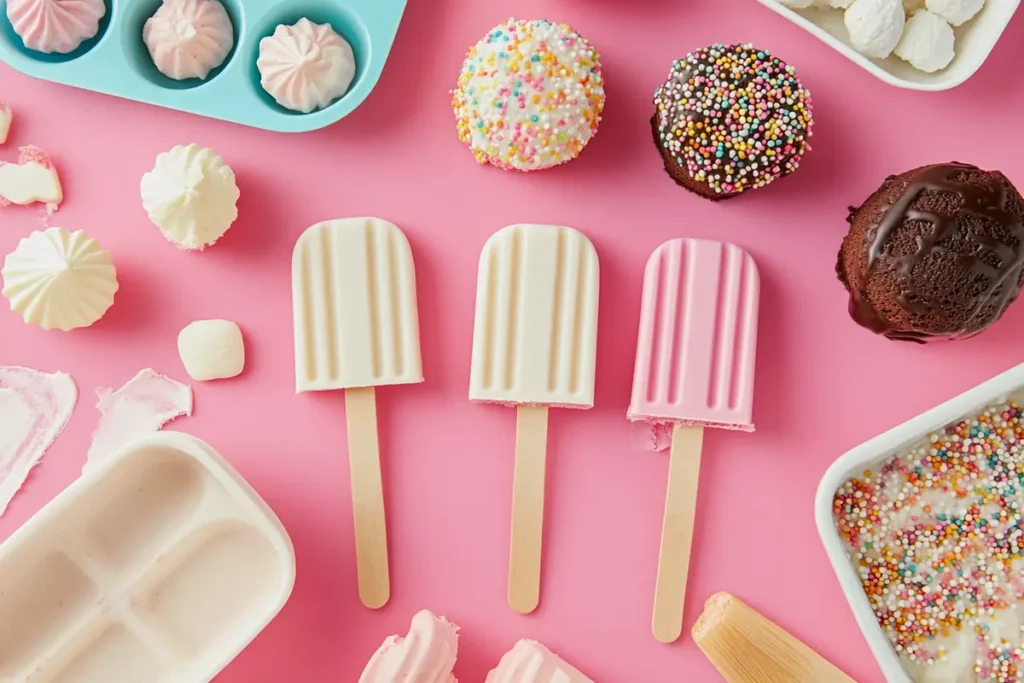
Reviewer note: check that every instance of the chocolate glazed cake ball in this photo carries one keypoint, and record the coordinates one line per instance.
(731, 119)
(937, 252)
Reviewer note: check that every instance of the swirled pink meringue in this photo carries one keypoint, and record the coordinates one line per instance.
(55, 26)
(306, 66)
(426, 655)
(189, 38)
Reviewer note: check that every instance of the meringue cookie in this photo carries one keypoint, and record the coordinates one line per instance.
(875, 26)
(306, 66)
(927, 42)
(212, 349)
(956, 12)
(55, 26)
(191, 195)
(839, 4)
(59, 280)
(426, 655)
(798, 4)
(189, 38)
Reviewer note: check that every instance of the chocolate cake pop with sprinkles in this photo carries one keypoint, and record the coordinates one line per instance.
(529, 96)
(731, 118)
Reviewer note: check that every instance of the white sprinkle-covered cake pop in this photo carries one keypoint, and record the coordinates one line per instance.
(191, 195)
(875, 26)
(55, 26)
(529, 96)
(927, 42)
(306, 66)
(189, 38)
(58, 279)
(956, 12)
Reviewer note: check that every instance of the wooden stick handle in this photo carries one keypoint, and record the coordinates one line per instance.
(677, 533)
(528, 508)
(367, 498)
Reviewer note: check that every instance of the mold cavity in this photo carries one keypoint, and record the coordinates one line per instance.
(39, 601)
(116, 655)
(7, 33)
(137, 53)
(227, 572)
(142, 504)
(341, 19)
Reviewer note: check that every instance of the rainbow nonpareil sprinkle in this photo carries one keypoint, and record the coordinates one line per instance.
(936, 536)
(735, 117)
(530, 95)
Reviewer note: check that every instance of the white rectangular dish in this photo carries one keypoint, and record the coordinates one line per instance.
(974, 42)
(1010, 384)
(160, 566)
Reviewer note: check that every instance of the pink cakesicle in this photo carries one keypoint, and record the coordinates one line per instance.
(694, 369)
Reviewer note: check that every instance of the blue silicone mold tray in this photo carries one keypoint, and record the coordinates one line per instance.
(117, 62)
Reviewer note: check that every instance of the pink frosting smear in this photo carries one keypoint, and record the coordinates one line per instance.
(426, 655)
(142, 406)
(34, 409)
(55, 26)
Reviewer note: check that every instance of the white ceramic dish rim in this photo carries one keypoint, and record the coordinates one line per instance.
(868, 452)
(868, 65)
(241, 491)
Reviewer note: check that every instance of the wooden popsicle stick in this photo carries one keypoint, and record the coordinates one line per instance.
(677, 532)
(528, 508)
(367, 498)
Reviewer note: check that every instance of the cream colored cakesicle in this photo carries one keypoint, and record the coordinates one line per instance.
(356, 328)
(694, 369)
(534, 347)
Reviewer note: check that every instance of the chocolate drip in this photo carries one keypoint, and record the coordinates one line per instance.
(987, 201)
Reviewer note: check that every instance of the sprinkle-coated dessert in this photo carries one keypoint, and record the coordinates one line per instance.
(731, 119)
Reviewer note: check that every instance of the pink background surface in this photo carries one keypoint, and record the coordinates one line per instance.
(823, 384)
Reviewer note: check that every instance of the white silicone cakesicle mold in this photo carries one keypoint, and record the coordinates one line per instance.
(1009, 385)
(159, 566)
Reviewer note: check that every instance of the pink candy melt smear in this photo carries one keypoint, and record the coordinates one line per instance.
(55, 26)
(34, 409)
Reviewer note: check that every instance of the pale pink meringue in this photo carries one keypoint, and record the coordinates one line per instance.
(189, 38)
(426, 655)
(55, 25)
(306, 66)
